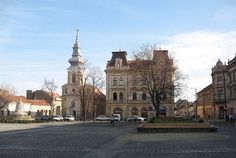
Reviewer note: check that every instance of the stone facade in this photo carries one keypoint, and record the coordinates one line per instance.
(123, 94)
(219, 99)
(224, 87)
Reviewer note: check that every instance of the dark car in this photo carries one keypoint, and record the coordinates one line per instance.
(42, 117)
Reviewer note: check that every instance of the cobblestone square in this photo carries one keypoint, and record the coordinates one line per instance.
(100, 139)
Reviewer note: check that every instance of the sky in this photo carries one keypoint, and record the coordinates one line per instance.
(36, 37)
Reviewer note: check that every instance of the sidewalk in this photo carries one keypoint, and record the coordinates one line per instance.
(21, 126)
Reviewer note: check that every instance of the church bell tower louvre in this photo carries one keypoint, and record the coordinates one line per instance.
(70, 95)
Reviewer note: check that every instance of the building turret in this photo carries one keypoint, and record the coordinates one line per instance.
(76, 59)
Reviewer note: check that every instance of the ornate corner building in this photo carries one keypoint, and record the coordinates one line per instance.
(224, 88)
(123, 96)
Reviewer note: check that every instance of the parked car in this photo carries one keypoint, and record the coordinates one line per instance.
(232, 118)
(57, 118)
(42, 117)
(135, 118)
(69, 118)
(117, 117)
(103, 118)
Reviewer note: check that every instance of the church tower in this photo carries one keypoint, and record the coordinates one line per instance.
(70, 95)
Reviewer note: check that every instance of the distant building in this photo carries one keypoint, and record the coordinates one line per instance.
(71, 97)
(31, 107)
(55, 99)
(123, 94)
(184, 108)
(205, 105)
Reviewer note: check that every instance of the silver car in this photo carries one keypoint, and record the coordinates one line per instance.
(57, 118)
(69, 118)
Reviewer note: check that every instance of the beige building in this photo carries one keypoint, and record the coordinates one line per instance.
(123, 94)
(219, 99)
(224, 87)
(205, 105)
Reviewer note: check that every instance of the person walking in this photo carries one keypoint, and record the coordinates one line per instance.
(112, 119)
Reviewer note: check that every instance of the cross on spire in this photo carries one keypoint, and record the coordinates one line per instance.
(77, 32)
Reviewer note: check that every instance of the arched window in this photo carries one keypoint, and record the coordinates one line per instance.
(121, 81)
(134, 111)
(118, 63)
(114, 81)
(144, 112)
(65, 91)
(121, 97)
(134, 96)
(73, 78)
(144, 96)
(114, 96)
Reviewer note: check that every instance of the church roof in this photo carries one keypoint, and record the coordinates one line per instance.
(12, 98)
(120, 55)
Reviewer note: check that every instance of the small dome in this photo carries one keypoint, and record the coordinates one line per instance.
(219, 63)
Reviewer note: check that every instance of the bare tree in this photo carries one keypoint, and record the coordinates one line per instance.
(91, 82)
(97, 81)
(5, 91)
(50, 87)
(158, 75)
(10, 89)
(83, 92)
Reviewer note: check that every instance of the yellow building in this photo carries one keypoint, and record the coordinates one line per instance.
(123, 94)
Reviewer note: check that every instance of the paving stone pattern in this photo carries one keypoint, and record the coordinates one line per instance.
(101, 140)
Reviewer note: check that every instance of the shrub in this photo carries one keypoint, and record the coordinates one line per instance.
(201, 121)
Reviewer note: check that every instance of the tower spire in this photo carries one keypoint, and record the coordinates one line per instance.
(77, 32)
(76, 58)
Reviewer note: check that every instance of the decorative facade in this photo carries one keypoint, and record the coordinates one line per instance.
(224, 87)
(123, 94)
(219, 99)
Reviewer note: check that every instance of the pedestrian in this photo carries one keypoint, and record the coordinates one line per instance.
(112, 119)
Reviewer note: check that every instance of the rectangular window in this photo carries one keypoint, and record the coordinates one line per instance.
(114, 81)
(234, 77)
(230, 77)
(220, 80)
(234, 93)
(121, 81)
(220, 94)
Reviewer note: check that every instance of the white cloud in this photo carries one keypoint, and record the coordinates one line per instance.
(196, 53)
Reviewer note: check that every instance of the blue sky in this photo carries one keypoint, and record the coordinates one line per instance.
(36, 37)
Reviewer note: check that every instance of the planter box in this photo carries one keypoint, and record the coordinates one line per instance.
(175, 127)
